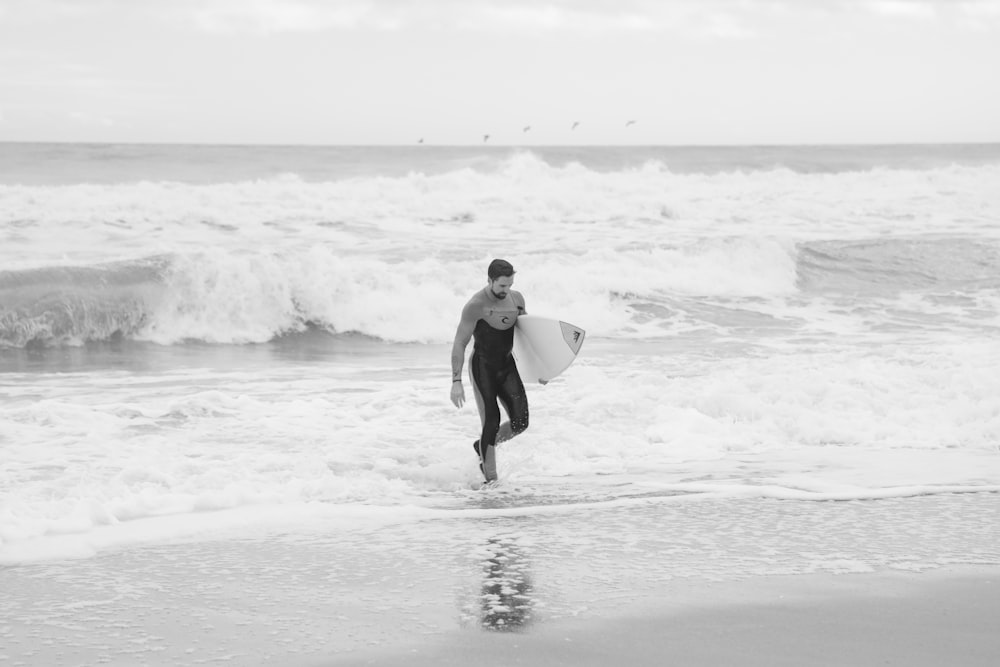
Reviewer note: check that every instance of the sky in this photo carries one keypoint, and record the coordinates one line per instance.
(524, 72)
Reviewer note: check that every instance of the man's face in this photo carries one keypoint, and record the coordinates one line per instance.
(501, 286)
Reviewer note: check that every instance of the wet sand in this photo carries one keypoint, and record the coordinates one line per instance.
(943, 618)
(909, 581)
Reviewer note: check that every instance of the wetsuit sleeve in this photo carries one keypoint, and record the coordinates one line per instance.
(462, 337)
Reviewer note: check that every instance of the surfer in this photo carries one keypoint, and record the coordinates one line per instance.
(489, 318)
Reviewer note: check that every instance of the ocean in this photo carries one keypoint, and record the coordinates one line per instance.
(212, 339)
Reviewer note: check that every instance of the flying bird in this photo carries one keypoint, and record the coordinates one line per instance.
(526, 128)
(486, 138)
(631, 122)
(575, 123)
(421, 140)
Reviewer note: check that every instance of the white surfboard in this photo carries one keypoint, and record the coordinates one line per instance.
(544, 347)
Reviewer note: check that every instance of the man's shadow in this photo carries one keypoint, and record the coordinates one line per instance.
(506, 603)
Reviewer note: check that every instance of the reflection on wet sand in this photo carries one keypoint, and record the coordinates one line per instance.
(505, 602)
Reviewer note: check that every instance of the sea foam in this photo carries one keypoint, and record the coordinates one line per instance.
(180, 351)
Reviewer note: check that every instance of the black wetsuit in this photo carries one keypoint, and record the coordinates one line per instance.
(496, 377)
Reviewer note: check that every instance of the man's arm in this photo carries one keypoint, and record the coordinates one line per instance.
(520, 306)
(462, 337)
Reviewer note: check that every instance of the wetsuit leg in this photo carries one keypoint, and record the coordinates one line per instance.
(493, 384)
(487, 382)
(515, 402)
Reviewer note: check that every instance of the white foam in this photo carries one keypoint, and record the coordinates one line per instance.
(107, 448)
(252, 260)
(708, 369)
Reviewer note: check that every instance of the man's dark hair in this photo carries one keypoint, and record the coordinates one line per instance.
(500, 268)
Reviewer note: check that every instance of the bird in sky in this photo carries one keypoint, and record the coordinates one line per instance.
(421, 140)
(631, 122)
(486, 138)
(575, 123)
(526, 128)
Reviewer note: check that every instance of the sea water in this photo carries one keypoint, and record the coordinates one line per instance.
(213, 338)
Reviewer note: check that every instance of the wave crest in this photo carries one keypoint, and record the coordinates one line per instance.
(218, 296)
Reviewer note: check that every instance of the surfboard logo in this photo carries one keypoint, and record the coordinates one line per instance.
(573, 336)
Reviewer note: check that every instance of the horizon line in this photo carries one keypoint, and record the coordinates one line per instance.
(418, 146)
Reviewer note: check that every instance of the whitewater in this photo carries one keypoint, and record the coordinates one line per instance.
(218, 340)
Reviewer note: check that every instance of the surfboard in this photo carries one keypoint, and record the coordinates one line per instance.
(545, 347)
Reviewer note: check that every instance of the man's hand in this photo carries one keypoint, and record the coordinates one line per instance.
(457, 394)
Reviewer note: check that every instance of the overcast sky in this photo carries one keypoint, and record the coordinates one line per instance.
(451, 71)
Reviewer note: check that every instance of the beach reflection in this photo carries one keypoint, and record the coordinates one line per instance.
(506, 600)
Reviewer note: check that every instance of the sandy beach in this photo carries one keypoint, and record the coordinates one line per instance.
(908, 581)
(945, 618)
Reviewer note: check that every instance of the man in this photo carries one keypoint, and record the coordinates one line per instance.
(489, 317)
